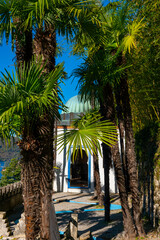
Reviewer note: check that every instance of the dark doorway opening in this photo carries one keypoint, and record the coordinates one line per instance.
(79, 169)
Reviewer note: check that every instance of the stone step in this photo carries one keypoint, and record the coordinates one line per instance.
(2, 215)
(4, 229)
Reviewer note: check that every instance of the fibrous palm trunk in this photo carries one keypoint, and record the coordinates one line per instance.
(30, 170)
(97, 181)
(23, 43)
(107, 110)
(131, 156)
(45, 47)
(37, 172)
(30, 176)
(106, 165)
(121, 128)
(37, 147)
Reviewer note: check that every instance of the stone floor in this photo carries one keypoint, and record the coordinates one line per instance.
(88, 220)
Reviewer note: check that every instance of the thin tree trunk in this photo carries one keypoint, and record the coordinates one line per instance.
(107, 110)
(148, 188)
(144, 199)
(121, 135)
(106, 165)
(152, 195)
(131, 156)
(127, 218)
(97, 182)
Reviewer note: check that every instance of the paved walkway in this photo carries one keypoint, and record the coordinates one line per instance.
(89, 220)
(91, 217)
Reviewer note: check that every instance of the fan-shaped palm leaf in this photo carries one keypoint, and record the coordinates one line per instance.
(134, 30)
(6, 23)
(88, 131)
(69, 17)
(28, 92)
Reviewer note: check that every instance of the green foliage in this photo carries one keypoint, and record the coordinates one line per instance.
(74, 19)
(103, 64)
(98, 70)
(144, 75)
(11, 173)
(27, 93)
(87, 132)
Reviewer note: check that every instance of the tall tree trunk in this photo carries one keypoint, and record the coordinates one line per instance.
(97, 182)
(37, 148)
(127, 218)
(37, 176)
(144, 198)
(149, 194)
(152, 196)
(106, 165)
(131, 156)
(107, 110)
(121, 135)
(30, 175)
(45, 47)
(23, 43)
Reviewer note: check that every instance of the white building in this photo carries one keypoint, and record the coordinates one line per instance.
(77, 175)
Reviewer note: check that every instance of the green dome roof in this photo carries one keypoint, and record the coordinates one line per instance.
(76, 105)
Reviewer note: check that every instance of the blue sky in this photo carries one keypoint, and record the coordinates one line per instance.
(70, 63)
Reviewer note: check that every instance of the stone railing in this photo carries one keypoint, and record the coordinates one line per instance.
(10, 196)
(10, 190)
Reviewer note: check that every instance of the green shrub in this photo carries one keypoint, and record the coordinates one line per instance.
(11, 173)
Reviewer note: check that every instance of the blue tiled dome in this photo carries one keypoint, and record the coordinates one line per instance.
(76, 105)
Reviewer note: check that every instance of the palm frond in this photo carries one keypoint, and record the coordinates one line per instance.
(87, 132)
(28, 93)
(134, 30)
(6, 20)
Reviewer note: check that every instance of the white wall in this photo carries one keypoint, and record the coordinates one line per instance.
(61, 175)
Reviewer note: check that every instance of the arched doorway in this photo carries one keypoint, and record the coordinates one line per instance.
(79, 170)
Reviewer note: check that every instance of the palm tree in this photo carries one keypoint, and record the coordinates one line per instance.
(66, 17)
(100, 72)
(125, 39)
(95, 76)
(87, 132)
(24, 98)
(19, 18)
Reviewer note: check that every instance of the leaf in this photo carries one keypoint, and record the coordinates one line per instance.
(26, 95)
(87, 132)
